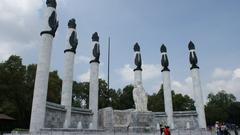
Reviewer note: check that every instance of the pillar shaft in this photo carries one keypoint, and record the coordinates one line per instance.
(94, 88)
(197, 90)
(42, 75)
(66, 99)
(137, 76)
(70, 50)
(67, 86)
(168, 98)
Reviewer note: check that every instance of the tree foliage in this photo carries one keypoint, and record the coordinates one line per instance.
(220, 103)
(182, 102)
(156, 101)
(16, 89)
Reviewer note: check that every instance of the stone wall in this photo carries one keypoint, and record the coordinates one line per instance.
(119, 120)
(83, 115)
(185, 120)
(55, 115)
(122, 119)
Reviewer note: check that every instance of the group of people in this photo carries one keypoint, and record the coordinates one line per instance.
(221, 129)
(164, 130)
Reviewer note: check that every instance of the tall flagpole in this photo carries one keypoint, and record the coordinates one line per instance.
(108, 61)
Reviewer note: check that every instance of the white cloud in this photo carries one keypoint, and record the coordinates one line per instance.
(236, 73)
(126, 73)
(184, 87)
(5, 51)
(219, 73)
(82, 59)
(85, 77)
(222, 79)
(231, 84)
(19, 24)
(150, 71)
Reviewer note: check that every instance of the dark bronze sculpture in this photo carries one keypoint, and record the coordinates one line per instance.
(138, 60)
(164, 60)
(72, 23)
(52, 21)
(51, 3)
(96, 48)
(73, 41)
(192, 56)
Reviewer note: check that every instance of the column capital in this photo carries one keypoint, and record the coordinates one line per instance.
(51, 3)
(138, 59)
(192, 56)
(164, 60)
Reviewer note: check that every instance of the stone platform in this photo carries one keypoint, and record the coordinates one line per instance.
(141, 122)
(101, 132)
(118, 120)
(128, 120)
(55, 114)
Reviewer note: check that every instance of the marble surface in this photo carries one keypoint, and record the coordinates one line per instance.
(122, 120)
(55, 116)
(198, 97)
(93, 92)
(139, 95)
(42, 75)
(140, 98)
(168, 98)
(66, 98)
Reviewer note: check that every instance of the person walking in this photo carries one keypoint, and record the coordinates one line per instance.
(161, 129)
(217, 128)
(167, 130)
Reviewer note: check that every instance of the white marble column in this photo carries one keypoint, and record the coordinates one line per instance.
(139, 95)
(69, 53)
(94, 88)
(42, 73)
(137, 77)
(197, 89)
(167, 87)
(168, 98)
(94, 82)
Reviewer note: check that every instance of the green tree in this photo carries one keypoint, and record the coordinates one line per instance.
(54, 87)
(156, 101)
(104, 97)
(126, 98)
(115, 98)
(13, 92)
(182, 102)
(234, 113)
(80, 93)
(218, 103)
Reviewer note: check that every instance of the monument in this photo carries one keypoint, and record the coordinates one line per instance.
(42, 74)
(167, 87)
(139, 96)
(71, 46)
(140, 119)
(197, 89)
(48, 116)
(94, 88)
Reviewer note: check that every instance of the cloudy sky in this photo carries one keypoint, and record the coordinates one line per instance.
(214, 27)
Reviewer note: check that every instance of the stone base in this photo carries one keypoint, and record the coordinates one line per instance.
(55, 114)
(141, 122)
(130, 120)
